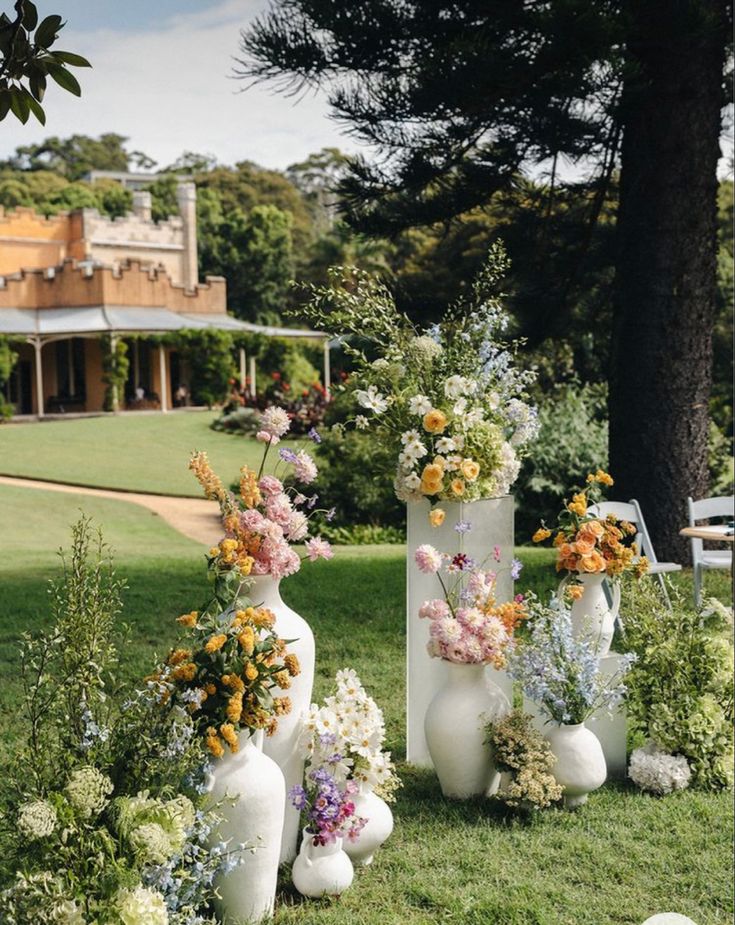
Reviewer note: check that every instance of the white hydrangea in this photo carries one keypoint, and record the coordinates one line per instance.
(37, 819)
(151, 843)
(657, 771)
(142, 906)
(87, 790)
(67, 912)
(508, 472)
(456, 386)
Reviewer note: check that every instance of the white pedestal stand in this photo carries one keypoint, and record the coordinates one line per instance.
(492, 525)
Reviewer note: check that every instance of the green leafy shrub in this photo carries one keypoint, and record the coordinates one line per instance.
(8, 359)
(210, 355)
(572, 438)
(362, 534)
(681, 688)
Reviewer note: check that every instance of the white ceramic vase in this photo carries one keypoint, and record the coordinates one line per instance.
(249, 792)
(591, 613)
(377, 829)
(455, 731)
(321, 870)
(282, 747)
(492, 525)
(580, 764)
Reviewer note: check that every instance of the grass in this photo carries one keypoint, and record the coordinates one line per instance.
(620, 860)
(146, 452)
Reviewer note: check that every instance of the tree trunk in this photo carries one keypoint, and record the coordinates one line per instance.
(666, 266)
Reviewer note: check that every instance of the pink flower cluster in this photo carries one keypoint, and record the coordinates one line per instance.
(468, 636)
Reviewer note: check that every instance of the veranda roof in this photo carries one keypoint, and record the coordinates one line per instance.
(104, 319)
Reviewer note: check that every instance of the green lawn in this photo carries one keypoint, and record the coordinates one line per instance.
(622, 858)
(146, 452)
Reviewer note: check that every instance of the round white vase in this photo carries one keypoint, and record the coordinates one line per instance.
(249, 792)
(321, 870)
(591, 614)
(377, 829)
(283, 746)
(580, 764)
(455, 731)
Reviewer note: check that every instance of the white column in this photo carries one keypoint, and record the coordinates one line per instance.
(113, 349)
(70, 361)
(327, 369)
(253, 389)
(243, 368)
(39, 378)
(162, 377)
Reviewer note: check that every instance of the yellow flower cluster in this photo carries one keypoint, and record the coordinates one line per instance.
(600, 476)
(249, 491)
(436, 517)
(291, 664)
(188, 619)
(541, 534)
(232, 552)
(433, 474)
(214, 490)
(578, 504)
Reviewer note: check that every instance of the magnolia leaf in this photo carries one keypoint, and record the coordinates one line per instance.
(38, 86)
(19, 105)
(64, 79)
(47, 31)
(30, 16)
(35, 107)
(69, 57)
(5, 98)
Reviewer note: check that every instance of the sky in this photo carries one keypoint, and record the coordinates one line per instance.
(162, 76)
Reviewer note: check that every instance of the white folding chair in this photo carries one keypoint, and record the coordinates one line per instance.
(631, 511)
(708, 558)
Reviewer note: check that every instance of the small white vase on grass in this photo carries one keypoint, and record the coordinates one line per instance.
(580, 764)
(591, 614)
(283, 746)
(321, 870)
(455, 731)
(377, 829)
(249, 792)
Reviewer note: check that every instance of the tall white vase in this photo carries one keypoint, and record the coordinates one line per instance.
(492, 525)
(377, 829)
(591, 613)
(282, 747)
(250, 792)
(455, 731)
(580, 764)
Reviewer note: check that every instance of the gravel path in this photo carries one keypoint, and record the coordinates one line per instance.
(196, 518)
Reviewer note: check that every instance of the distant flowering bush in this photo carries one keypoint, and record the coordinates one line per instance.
(587, 544)
(267, 518)
(449, 399)
(467, 624)
(345, 736)
(561, 673)
(327, 807)
(657, 771)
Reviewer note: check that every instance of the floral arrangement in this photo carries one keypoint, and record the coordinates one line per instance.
(267, 518)
(225, 672)
(587, 544)
(345, 736)
(327, 807)
(449, 399)
(467, 624)
(100, 820)
(681, 688)
(657, 771)
(524, 758)
(562, 674)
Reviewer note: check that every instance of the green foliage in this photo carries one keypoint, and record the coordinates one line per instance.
(572, 439)
(210, 356)
(26, 62)
(721, 470)
(293, 361)
(115, 369)
(362, 534)
(8, 359)
(681, 689)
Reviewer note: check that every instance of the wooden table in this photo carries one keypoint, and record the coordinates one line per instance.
(717, 533)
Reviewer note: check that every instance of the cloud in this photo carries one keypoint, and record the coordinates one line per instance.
(170, 89)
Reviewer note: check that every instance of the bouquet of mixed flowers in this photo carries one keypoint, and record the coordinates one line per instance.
(224, 676)
(524, 758)
(449, 399)
(587, 544)
(327, 807)
(562, 674)
(345, 736)
(268, 517)
(468, 625)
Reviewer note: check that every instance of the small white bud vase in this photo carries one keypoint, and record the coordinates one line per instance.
(283, 746)
(580, 764)
(455, 731)
(591, 614)
(248, 792)
(377, 829)
(321, 870)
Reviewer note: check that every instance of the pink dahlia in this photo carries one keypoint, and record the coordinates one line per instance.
(304, 467)
(275, 421)
(434, 609)
(269, 486)
(317, 548)
(428, 559)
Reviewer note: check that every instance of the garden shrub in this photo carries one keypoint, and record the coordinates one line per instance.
(362, 534)
(681, 688)
(210, 355)
(8, 359)
(572, 438)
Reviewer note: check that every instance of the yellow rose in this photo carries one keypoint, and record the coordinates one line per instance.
(436, 517)
(575, 592)
(435, 421)
(432, 473)
(430, 487)
(458, 486)
(470, 469)
(541, 534)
